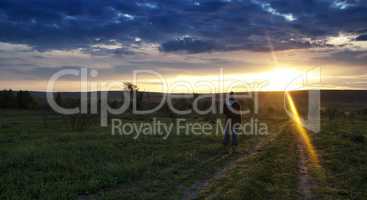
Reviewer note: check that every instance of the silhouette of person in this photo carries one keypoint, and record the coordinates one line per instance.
(232, 114)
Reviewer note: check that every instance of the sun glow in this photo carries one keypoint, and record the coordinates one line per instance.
(276, 79)
(282, 79)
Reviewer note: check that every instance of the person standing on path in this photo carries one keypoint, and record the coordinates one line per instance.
(232, 112)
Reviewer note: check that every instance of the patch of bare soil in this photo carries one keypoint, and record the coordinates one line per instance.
(304, 180)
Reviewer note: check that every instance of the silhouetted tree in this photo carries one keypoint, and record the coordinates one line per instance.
(135, 95)
(7, 99)
(130, 87)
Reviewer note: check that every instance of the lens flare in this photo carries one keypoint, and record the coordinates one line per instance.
(302, 132)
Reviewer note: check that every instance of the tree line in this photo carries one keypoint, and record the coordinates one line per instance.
(10, 99)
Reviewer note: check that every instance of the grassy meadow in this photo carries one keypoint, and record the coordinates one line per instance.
(56, 163)
(52, 161)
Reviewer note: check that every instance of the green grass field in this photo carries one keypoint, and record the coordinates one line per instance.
(342, 145)
(56, 163)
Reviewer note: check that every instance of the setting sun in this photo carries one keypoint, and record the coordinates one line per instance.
(276, 79)
(282, 79)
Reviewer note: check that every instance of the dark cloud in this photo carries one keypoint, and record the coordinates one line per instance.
(189, 45)
(362, 38)
(211, 25)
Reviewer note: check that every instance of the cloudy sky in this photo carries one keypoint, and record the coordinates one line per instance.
(183, 40)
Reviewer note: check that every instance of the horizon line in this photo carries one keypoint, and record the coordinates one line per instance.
(143, 91)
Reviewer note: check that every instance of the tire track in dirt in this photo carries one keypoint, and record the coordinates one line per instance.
(194, 191)
(304, 179)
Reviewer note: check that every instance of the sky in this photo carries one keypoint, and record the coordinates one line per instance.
(265, 43)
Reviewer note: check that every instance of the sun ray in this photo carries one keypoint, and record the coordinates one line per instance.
(302, 132)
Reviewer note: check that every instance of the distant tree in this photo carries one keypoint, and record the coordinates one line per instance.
(7, 99)
(130, 87)
(135, 95)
